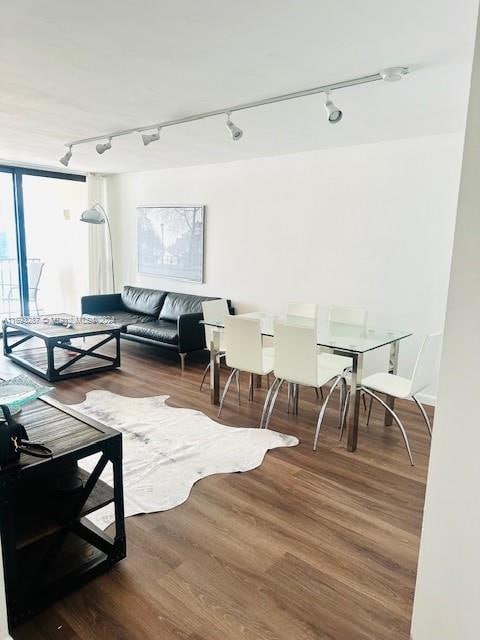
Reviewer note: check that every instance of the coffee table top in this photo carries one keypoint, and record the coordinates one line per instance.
(44, 327)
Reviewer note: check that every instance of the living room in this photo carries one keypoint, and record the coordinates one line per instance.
(239, 301)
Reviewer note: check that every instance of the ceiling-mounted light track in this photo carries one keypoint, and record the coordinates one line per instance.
(389, 74)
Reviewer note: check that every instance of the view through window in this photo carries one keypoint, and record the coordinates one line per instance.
(42, 242)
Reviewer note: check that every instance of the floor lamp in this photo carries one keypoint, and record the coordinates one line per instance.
(98, 215)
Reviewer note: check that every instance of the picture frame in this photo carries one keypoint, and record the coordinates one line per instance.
(170, 241)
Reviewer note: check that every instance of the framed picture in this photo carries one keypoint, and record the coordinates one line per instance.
(170, 241)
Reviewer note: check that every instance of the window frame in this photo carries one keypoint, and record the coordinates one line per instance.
(17, 173)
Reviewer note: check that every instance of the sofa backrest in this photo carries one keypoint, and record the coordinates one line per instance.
(140, 300)
(176, 304)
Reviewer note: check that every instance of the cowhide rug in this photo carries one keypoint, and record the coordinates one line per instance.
(167, 449)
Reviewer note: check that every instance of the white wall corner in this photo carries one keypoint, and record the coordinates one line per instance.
(447, 590)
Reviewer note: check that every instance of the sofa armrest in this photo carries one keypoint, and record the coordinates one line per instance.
(191, 334)
(101, 303)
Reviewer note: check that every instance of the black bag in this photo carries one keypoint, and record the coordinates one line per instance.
(14, 441)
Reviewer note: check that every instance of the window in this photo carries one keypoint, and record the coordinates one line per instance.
(43, 245)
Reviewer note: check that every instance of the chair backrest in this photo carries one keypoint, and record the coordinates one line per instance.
(295, 353)
(34, 271)
(213, 311)
(426, 364)
(243, 344)
(348, 315)
(302, 309)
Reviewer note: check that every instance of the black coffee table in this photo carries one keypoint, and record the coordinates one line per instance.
(55, 357)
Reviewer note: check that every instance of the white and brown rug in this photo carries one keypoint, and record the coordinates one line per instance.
(167, 449)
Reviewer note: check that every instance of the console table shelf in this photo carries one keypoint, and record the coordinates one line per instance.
(33, 522)
(49, 545)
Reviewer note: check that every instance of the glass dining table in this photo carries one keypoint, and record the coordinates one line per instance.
(348, 340)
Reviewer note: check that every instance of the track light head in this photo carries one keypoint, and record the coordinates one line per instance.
(104, 146)
(236, 132)
(393, 74)
(333, 112)
(66, 158)
(151, 137)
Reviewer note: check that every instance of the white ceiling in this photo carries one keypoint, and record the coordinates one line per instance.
(71, 70)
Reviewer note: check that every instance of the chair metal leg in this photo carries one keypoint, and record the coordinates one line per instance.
(316, 392)
(364, 402)
(225, 391)
(369, 411)
(182, 360)
(322, 411)
(397, 420)
(343, 395)
(250, 388)
(289, 395)
(207, 369)
(267, 400)
(238, 385)
(424, 414)
(344, 411)
(272, 404)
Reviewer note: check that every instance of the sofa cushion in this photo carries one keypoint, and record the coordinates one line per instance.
(140, 300)
(123, 318)
(159, 330)
(177, 304)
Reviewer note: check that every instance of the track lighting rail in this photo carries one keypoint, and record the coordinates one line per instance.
(390, 74)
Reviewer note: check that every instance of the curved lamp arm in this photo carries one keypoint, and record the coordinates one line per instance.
(102, 209)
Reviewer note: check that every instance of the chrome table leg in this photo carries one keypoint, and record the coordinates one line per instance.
(392, 368)
(354, 404)
(214, 368)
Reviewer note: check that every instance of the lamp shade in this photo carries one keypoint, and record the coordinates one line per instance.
(93, 216)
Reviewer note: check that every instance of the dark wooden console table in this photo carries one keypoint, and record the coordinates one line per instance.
(49, 546)
(56, 357)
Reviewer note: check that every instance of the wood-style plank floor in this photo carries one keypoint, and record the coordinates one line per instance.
(311, 546)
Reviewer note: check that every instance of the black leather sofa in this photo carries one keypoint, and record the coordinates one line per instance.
(161, 318)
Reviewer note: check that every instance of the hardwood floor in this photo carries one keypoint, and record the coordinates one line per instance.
(311, 546)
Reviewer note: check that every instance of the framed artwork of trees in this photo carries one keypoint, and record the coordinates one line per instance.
(171, 241)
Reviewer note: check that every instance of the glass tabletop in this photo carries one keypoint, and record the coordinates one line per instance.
(333, 335)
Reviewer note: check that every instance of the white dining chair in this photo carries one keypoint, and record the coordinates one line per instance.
(348, 315)
(345, 316)
(244, 351)
(399, 387)
(303, 309)
(214, 311)
(307, 310)
(297, 362)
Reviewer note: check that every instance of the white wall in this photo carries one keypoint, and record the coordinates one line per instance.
(368, 226)
(448, 585)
